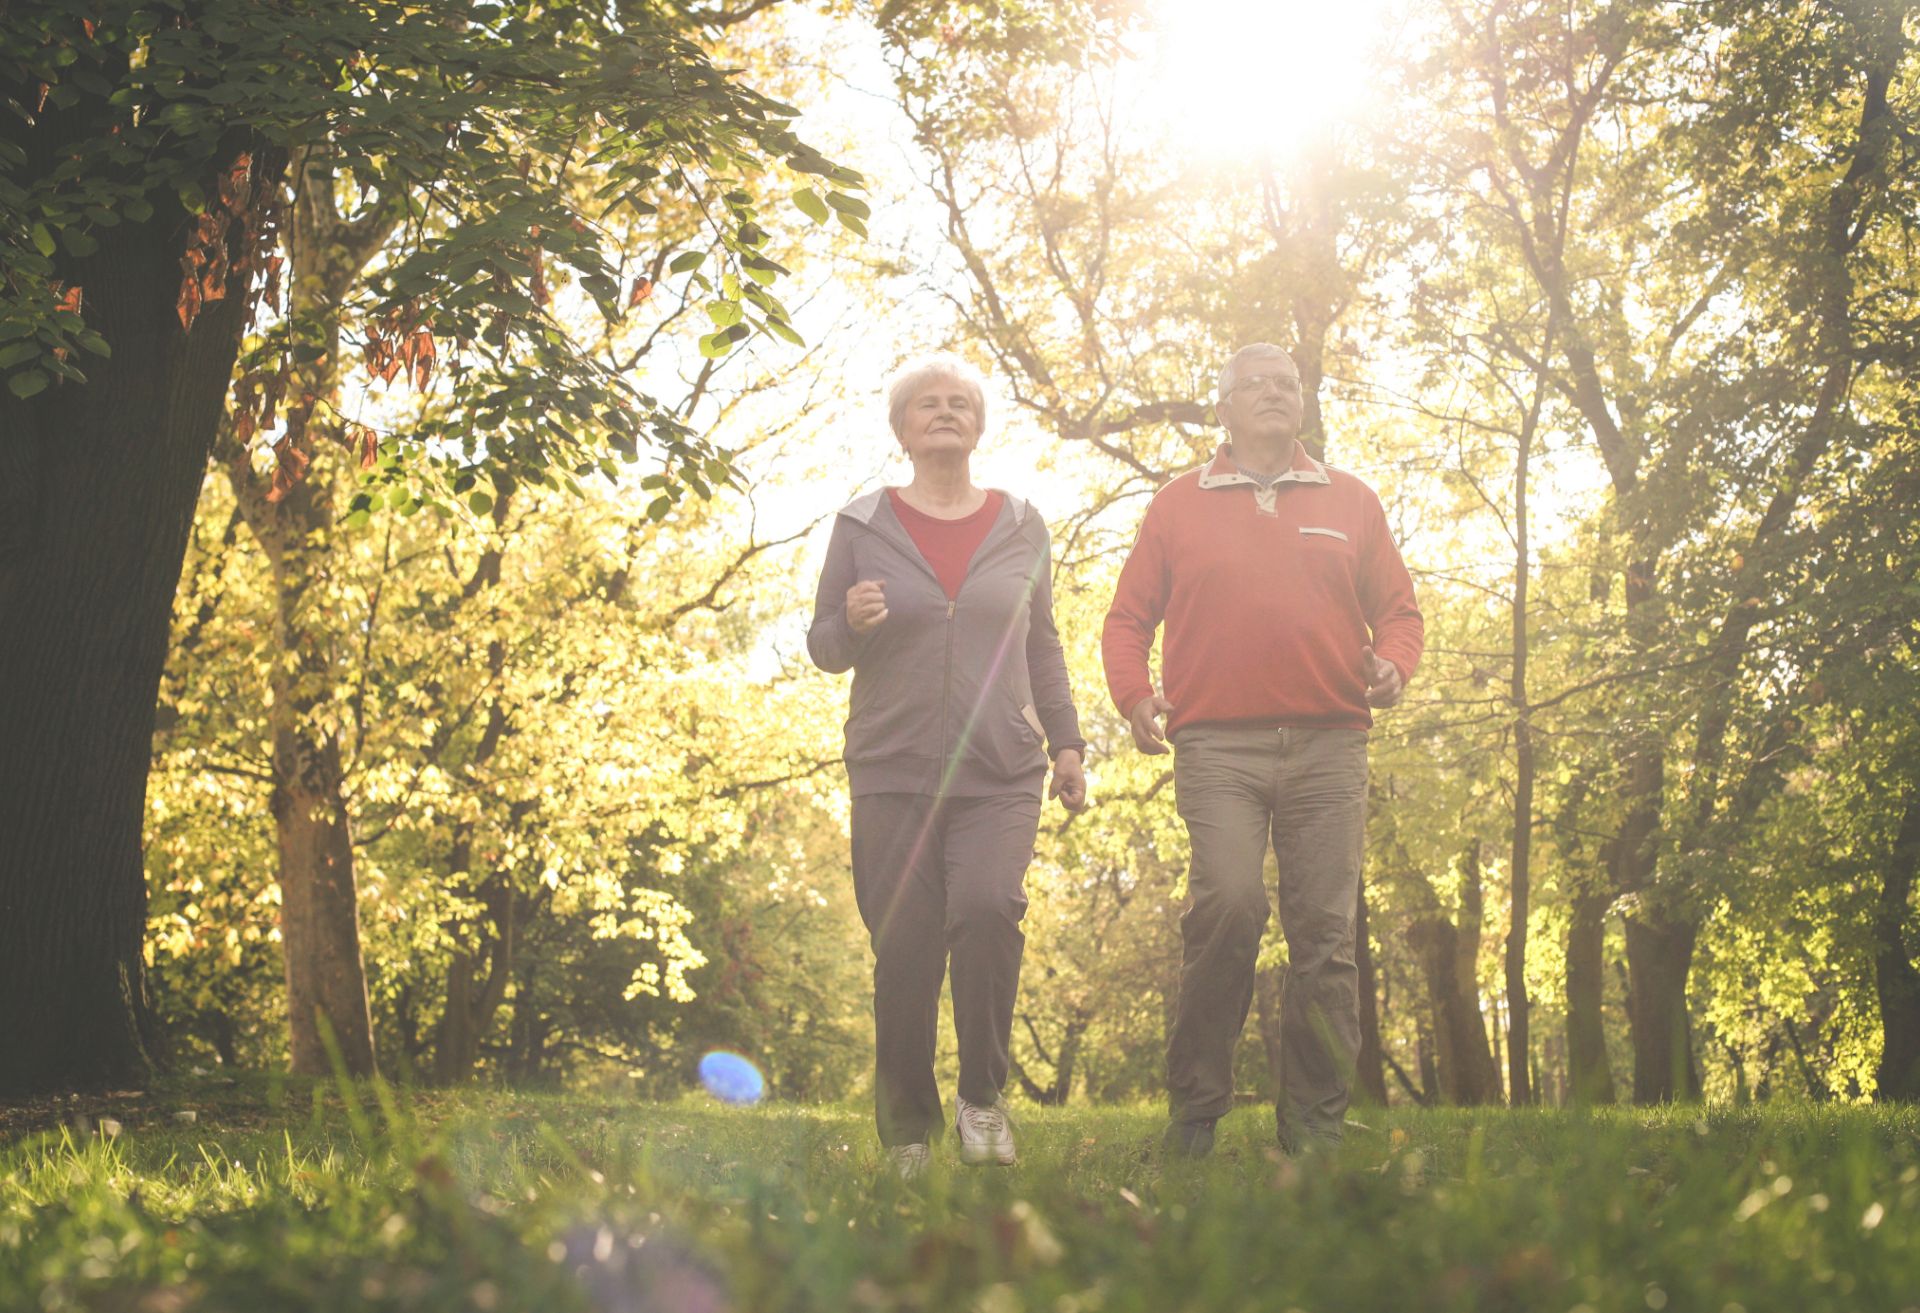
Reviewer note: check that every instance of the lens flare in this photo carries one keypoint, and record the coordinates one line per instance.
(731, 1078)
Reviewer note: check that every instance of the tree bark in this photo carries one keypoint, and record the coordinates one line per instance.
(1369, 1071)
(1895, 977)
(1589, 1071)
(319, 890)
(1519, 1041)
(1448, 958)
(1659, 956)
(98, 484)
(473, 1000)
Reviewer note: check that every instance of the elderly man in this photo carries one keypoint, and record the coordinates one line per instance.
(1288, 615)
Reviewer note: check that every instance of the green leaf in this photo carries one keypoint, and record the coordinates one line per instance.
(479, 502)
(686, 262)
(858, 208)
(18, 353)
(810, 204)
(42, 239)
(725, 314)
(781, 329)
(658, 508)
(27, 383)
(850, 223)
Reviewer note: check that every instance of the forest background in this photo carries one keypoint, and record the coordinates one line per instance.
(520, 774)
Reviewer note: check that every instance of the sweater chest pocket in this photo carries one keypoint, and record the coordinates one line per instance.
(1324, 555)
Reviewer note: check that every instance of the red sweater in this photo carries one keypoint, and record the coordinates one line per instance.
(1268, 598)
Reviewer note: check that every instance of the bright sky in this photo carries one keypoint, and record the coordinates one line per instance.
(1239, 79)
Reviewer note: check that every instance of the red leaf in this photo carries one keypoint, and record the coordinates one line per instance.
(91, 27)
(188, 304)
(421, 357)
(42, 102)
(71, 301)
(235, 182)
(642, 289)
(369, 447)
(291, 459)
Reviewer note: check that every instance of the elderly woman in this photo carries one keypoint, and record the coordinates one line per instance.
(939, 597)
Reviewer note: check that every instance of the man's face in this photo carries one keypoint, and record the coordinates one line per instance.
(1264, 400)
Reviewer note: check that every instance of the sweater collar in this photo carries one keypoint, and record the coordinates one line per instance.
(1221, 472)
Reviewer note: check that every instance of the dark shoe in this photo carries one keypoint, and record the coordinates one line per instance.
(1192, 1139)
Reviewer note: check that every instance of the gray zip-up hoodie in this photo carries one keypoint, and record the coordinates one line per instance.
(949, 698)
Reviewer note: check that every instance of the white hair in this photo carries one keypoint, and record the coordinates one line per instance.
(916, 374)
(1252, 350)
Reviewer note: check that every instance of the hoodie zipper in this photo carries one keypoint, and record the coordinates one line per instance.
(946, 686)
(906, 545)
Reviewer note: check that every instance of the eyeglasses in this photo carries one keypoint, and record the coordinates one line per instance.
(1286, 384)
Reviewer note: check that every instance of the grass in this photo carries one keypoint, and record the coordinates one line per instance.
(282, 1196)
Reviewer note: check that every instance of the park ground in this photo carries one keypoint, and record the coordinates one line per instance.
(285, 1195)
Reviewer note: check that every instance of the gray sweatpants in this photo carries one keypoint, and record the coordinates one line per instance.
(939, 878)
(1306, 789)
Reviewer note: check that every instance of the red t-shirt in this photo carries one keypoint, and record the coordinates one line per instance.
(948, 545)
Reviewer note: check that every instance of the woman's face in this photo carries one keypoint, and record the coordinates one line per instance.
(940, 420)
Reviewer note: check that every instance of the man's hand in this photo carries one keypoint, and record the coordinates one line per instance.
(1384, 685)
(1069, 781)
(1147, 735)
(866, 605)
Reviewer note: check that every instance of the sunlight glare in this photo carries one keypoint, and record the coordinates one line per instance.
(1232, 79)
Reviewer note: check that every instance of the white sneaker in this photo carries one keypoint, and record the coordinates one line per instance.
(985, 1136)
(909, 1161)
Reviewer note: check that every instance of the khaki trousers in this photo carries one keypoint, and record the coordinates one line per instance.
(1305, 790)
(940, 878)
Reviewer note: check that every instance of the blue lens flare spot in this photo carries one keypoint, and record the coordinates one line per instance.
(731, 1078)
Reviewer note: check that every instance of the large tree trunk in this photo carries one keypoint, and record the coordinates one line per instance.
(98, 484)
(1659, 956)
(1589, 1071)
(1659, 948)
(1894, 975)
